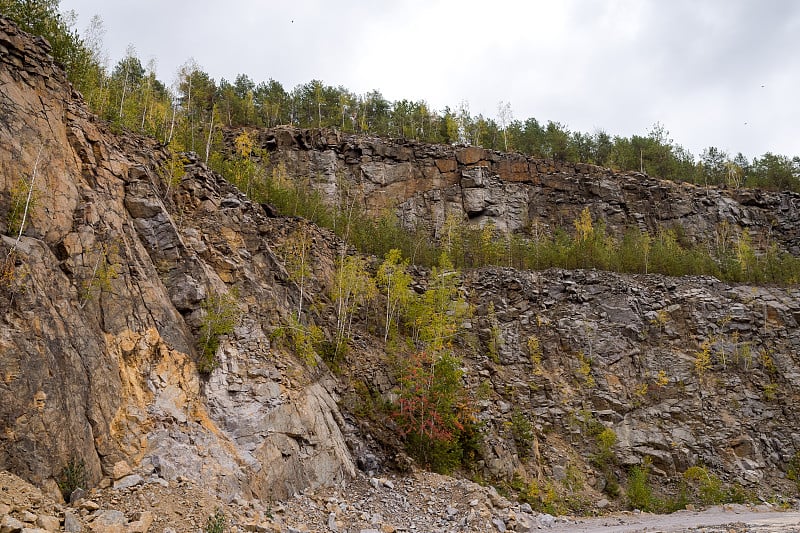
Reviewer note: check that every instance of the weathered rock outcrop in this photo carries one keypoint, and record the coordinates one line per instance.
(626, 350)
(426, 183)
(103, 297)
(101, 305)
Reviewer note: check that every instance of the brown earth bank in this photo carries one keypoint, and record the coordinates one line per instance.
(106, 296)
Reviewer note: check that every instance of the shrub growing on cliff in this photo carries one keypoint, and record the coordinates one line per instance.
(436, 316)
(431, 411)
(306, 341)
(216, 523)
(707, 488)
(640, 493)
(395, 282)
(793, 472)
(522, 431)
(73, 476)
(352, 288)
(23, 200)
(220, 316)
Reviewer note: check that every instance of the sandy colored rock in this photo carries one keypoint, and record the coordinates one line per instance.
(121, 469)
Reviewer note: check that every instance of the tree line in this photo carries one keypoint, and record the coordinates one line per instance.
(189, 114)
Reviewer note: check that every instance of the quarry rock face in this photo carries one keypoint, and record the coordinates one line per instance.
(101, 305)
(622, 350)
(626, 352)
(104, 295)
(424, 184)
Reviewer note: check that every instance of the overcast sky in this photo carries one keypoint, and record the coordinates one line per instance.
(722, 73)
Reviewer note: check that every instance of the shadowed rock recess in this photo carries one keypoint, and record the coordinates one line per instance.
(102, 304)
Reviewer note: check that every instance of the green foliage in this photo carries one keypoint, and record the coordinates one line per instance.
(436, 316)
(220, 315)
(245, 168)
(103, 273)
(393, 278)
(175, 169)
(9, 271)
(706, 488)
(295, 252)
(793, 470)
(23, 198)
(542, 495)
(131, 97)
(353, 287)
(522, 432)
(585, 370)
(216, 523)
(305, 340)
(702, 359)
(604, 459)
(73, 476)
(366, 402)
(548, 496)
(495, 337)
(733, 259)
(640, 493)
(535, 352)
(697, 486)
(431, 411)
(606, 439)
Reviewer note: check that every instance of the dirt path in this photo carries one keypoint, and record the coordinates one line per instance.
(726, 519)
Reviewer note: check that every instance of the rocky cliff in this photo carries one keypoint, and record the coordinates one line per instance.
(426, 183)
(101, 308)
(125, 254)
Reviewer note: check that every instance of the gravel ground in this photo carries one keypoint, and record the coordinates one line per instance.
(422, 502)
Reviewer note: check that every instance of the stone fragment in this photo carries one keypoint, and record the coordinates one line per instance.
(71, 523)
(497, 500)
(474, 201)
(77, 495)
(141, 522)
(545, 520)
(368, 462)
(524, 522)
(90, 505)
(120, 470)
(128, 482)
(470, 155)
(9, 524)
(109, 521)
(499, 524)
(47, 522)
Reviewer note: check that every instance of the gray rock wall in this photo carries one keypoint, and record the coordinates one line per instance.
(641, 336)
(427, 183)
